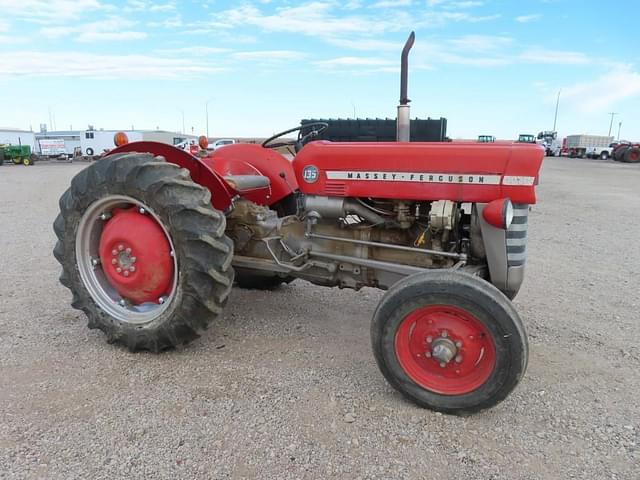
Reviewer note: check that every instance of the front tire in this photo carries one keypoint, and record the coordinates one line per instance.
(449, 341)
(143, 251)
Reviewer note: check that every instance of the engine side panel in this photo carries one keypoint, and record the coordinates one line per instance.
(463, 172)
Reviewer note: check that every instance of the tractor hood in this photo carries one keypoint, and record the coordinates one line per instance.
(457, 171)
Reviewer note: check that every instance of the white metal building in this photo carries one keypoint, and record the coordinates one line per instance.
(13, 136)
(96, 142)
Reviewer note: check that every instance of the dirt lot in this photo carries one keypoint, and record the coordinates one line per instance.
(266, 393)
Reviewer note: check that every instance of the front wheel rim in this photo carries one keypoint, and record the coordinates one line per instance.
(95, 263)
(445, 349)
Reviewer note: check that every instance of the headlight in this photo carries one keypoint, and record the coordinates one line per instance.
(499, 213)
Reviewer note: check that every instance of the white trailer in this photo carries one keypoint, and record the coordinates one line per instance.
(592, 146)
(96, 142)
(52, 147)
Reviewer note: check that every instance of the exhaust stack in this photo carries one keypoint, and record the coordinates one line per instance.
(403, 122)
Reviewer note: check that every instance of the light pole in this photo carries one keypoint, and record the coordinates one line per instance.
(555, 118)
(613, 114)
(182, 112)
(206, 110)
(619, 127)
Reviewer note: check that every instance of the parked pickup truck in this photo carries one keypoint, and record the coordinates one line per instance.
(591, 146)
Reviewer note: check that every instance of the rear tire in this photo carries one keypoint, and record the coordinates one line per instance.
(604, 155)
(202, 275)
(618, 154)
(464, 304)
(251, 280)
(632, 155)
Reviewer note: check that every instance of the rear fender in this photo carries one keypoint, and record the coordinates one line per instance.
(253, 159)
(201, 172)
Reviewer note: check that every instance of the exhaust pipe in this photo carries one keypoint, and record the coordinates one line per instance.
(403, 122)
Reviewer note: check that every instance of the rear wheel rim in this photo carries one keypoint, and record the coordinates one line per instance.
(445, 349)
(97, 263)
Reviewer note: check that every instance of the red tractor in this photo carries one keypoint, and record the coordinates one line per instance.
(151, 239)
(626, 152)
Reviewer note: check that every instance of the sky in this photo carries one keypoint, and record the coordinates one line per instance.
(491, 67)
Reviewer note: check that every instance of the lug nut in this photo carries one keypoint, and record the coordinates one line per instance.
(132, 268)
(133, 259)
(114, 252)
(128, 250)
(459, 344)
(428, 354)
(126, 273)
(119, 270)
(114, 261)
(458, 358)
(429, 339)
(120, 247)
(442, 364)
(444, 334)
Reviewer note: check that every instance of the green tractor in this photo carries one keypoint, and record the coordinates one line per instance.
(18, 154)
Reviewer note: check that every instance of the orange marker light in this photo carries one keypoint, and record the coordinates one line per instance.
(120, 139)
(203, 141)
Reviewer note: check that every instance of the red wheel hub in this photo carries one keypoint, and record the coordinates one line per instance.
(136, 256)
(445, 349)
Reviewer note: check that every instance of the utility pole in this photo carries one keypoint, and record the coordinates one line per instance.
(613, 114)
(206, 110)
(555, 118)
(619, 127)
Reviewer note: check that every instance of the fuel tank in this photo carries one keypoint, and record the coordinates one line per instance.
(458, 171)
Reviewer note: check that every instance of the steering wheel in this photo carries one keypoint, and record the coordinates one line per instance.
(302, 139)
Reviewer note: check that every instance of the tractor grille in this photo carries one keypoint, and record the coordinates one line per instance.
(517, 236)
(335, 189)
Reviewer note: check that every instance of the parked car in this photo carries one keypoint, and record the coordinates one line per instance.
(221, 142)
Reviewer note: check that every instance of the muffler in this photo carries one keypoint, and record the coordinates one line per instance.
(403, 122)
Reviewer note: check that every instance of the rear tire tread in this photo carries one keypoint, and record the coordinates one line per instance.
(206, 275)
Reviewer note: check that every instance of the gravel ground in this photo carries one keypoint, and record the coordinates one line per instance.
(285, 385)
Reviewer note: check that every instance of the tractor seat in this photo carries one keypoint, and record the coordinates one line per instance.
(245, 183)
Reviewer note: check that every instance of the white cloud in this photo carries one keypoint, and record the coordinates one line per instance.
(87, 37)
(268, 55)
(109, 29)
(365, 44)
(392, 3)
(480, 43)
(49, 11)
(529, 18)
(601, 94)
(84, 65)
(560, 57)
(463, 4)
(321, 19)
(147, 6)
(353, 62)
(196, 50)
